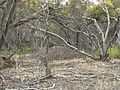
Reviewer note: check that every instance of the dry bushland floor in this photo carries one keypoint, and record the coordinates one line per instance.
(75, 74)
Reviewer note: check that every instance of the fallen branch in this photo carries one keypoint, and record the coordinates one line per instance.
(44, 77)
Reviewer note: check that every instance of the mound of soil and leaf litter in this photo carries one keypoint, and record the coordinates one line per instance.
(70, 74)
(59, 53)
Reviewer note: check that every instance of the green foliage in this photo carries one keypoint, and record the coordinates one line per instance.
(65, 11)
(4, 53)
(33, 5)
(25, 7)
(1, 66)
(22, 50)
(25, 50)
(97, 12)
(114, 52)
(96, 54)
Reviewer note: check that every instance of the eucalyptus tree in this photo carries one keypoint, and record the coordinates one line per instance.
(81, 25)
(104, 22)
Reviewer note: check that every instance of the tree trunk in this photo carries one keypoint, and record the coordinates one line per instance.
(5, 24)
(77, 39)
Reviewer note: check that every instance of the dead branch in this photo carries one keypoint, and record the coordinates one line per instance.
(67, 44)
(45, 77)
(2, 77)
(108, 20)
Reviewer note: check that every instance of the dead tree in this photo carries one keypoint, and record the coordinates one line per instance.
(7, 19)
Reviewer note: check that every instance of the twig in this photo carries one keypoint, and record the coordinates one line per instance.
(45, 77)
(3, 79)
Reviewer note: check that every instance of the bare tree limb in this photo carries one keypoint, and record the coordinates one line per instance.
(108, 20)
(26, 20)
(117, 29)
(76, 31)
(2, 2)
(70, 46)
(10, 13)
(96, 24)
(2, 77)
(91, 35)
(102, 49)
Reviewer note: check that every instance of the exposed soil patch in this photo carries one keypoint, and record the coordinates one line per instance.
(58, 53)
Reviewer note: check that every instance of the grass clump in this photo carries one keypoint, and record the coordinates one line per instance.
(114, 52)
(4, 53)
(1, 66)
(25, 50)
(21, 52)
(96, 54)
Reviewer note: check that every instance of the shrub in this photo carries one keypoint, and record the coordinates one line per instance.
(114, 51)
(25, 50)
